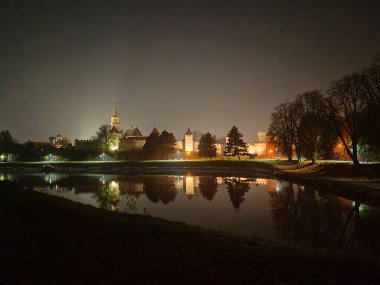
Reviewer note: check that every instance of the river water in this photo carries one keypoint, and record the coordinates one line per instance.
(269, 210)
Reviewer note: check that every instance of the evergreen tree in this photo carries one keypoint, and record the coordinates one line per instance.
(167, 141)
(7, 143)
(207, 146)
(236, 146)
(152, 146)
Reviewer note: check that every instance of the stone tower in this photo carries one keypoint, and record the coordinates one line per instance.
(115, 121)
(261, 136)
(189, 142)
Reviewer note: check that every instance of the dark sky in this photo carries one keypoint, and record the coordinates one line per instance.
(202, 64)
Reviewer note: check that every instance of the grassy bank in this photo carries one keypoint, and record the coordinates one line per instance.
(360, 184)
(331, 169)
(50, 240)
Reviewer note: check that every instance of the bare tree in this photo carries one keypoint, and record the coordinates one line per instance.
(371, 83)
(347, 106)
(197, 135)
(371, 91)
(283, 127)
(312, 125)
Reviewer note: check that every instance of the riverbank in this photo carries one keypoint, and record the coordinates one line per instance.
(362, 184)
(215, 167)
(51, 240)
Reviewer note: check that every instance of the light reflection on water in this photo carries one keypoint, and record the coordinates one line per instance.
(270, 210)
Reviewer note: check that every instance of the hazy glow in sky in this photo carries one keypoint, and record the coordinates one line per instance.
(206, 65)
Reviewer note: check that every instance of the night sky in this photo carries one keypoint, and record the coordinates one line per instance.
(207, 65)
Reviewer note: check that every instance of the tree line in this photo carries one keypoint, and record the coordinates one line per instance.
(157, 146)
(162, 145)
(347, 113)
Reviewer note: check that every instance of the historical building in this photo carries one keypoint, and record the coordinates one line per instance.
(59, 141)
(189, 141)
(263, 147)
(91, 145)
(258, 147)
(128, 140)
(132, 139)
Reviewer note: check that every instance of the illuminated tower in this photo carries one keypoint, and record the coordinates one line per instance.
(261, 136)
(189, 142)
(115, 121)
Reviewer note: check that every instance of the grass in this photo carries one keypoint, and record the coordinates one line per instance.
(334, 169)
(46, 239)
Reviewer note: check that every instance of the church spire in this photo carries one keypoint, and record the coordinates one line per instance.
(114, 111)
(115, 121)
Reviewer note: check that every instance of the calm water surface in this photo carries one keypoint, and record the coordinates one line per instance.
(270, 210)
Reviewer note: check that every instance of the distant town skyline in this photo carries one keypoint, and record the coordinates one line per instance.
(203, 65)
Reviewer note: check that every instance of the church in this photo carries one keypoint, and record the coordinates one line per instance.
(132, 138)
(128, 140)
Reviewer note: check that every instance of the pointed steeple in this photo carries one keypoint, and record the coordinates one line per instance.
(114, 111)
(155, 131)
(115, 121)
